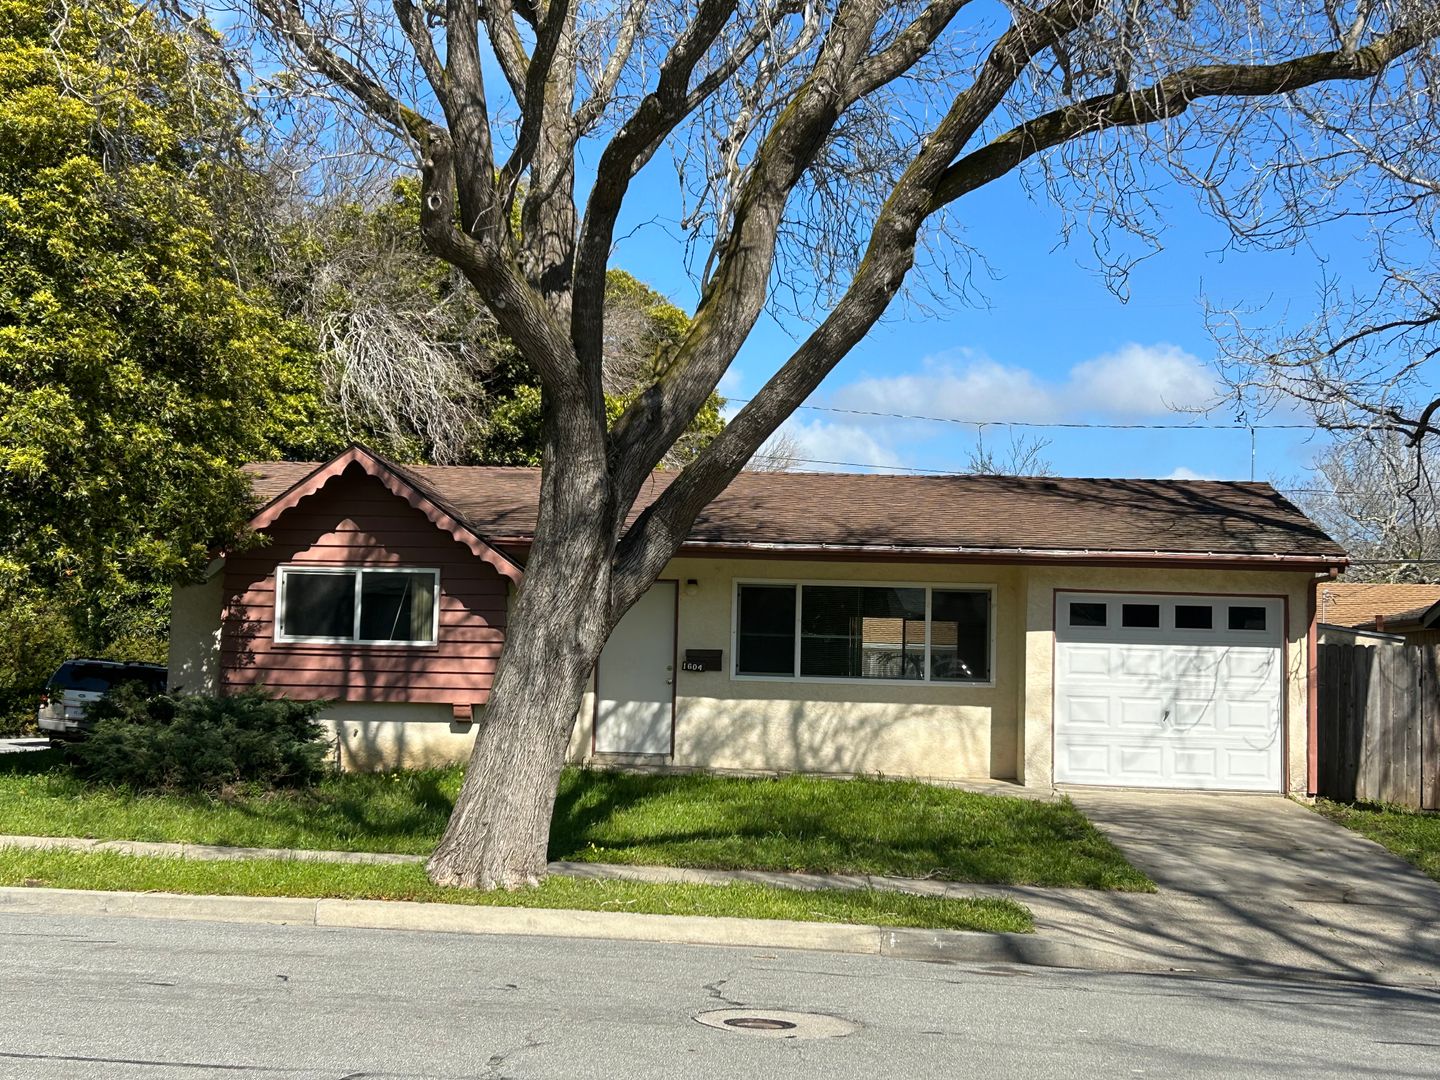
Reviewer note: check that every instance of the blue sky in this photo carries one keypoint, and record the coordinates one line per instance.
(1052, 343)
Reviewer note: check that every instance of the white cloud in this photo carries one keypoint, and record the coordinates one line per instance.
(1136, 382)
(821, 442)
(982, 390)
(1142, 381)
(1182, 473)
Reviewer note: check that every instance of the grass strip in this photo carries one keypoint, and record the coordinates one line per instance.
(1414, 835)
(796, 823)
(277, 877)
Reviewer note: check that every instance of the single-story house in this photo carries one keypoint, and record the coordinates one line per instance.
(1149, 633)
(1374, 610)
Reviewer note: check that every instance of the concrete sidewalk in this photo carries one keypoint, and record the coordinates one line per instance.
(1354, 935)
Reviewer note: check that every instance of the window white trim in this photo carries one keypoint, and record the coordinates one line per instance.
(929, 586)
(355, 571)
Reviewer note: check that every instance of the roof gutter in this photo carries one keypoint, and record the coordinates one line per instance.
(1092, 556)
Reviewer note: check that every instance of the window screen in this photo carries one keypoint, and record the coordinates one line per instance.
(397, 607)
(765, 636)
(960, 635)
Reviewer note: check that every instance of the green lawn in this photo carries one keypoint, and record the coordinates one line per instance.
(1414, 835)
(795, 823)
(266, 877)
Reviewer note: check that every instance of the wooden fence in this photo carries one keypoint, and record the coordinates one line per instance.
(1379, 724)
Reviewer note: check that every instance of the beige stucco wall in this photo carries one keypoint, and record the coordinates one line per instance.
(194, 660)
(934, 730)
(1036, 767)
(372, 736)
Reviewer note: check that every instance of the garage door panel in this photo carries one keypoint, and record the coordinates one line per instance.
(1082, 660)
(1144, 714)
(1197, 662)
(1144, 762)
(1087, 762)
(1089, 712)
(1140, 662)
(1169, 706)
(1197, 765)
(1197, 716)
(1248, 764)
(1251, 717)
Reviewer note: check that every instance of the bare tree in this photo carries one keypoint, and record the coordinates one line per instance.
(1362, 363)
(823, 149)
(1376, 494)
(1022, 456)
(779, 453)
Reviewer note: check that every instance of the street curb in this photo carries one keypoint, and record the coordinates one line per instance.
(932, 945)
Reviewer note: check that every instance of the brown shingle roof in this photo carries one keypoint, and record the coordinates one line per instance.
(936, 513)
(1357, 603)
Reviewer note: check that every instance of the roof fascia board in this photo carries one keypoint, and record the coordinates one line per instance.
(398, 485)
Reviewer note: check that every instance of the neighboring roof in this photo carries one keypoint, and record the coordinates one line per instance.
(939, 515)
(1360, 603)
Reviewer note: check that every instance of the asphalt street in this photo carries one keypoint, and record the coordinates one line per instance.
(148, 999)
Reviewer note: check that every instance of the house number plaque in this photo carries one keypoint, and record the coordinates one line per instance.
(701, 660)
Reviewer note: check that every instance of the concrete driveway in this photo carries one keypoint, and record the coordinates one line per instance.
(1264, 882)
(19, 746)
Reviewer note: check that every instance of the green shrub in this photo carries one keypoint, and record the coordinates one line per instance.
(187, 742)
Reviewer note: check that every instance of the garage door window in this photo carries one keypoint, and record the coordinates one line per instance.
(1140, 615)
(1083, 614)
(1194, 617)
(1247, 618)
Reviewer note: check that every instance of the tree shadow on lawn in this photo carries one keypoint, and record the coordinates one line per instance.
(830, 826)
(360, 814)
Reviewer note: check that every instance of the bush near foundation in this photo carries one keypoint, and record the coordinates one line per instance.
(189, 742)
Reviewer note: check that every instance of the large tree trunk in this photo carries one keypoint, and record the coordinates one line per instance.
(500, 828)
(498, 834)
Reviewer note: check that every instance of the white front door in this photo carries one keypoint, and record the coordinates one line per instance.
(1169, 691)
(635, 679)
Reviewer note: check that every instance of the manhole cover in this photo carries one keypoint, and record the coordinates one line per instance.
(759, 1023)
(777, 1023)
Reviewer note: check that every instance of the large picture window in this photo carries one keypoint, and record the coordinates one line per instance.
(364, 606)
(892, 632)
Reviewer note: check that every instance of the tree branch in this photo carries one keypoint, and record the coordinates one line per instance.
(906, 50)
(288, 21)
(657, 115)
(1170, 97)
(509, 48)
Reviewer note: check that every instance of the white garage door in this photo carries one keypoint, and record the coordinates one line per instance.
(1168, 691)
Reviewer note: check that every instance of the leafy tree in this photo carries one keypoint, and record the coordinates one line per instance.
(138, 367)
(820, 148)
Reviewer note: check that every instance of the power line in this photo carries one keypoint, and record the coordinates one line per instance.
(1047, 423)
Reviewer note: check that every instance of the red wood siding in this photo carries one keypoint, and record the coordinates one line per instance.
(354, 521)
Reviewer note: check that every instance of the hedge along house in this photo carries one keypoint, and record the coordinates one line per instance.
(1126, 632)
